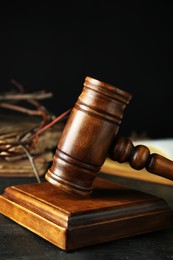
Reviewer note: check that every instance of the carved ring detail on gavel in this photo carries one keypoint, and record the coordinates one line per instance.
(139, 157)
(88, 138)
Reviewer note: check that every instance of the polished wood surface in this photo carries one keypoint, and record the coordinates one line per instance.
(139, 157)
(17, 242)
(70, 221)
(91, 127)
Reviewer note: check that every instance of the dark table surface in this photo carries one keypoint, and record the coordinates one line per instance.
(16, 242)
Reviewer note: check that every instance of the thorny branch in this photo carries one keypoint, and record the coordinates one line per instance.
(25, 142)
(36, 95)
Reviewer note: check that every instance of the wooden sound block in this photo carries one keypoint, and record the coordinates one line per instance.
(70, 221)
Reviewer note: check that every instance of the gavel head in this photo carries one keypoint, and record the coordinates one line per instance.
(87, 136)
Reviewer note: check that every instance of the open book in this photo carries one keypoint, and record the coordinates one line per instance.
(122, 173)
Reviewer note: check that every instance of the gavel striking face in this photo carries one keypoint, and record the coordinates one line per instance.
(90, 135)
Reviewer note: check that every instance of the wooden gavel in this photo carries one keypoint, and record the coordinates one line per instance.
(91, 135)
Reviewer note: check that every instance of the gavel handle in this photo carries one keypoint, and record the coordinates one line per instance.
(139, 157)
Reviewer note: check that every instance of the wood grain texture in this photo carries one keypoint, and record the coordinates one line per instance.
(70, 221)
(85, 142)
(139, 156)
(17, 242)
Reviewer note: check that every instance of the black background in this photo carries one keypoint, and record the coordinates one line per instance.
(54, 46)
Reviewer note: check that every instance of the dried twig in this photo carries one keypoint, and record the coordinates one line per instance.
(19, 86)
(21, 109)
(43, 129)
(31, 159)
(36, 95)
(26, 141)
